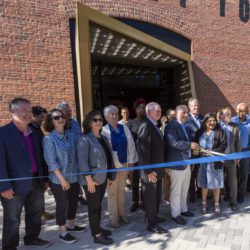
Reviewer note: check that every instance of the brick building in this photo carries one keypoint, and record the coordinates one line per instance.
(37, 50)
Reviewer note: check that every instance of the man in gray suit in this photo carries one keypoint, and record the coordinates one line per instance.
(233, 145)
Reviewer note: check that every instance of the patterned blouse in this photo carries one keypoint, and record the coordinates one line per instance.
(60, 153)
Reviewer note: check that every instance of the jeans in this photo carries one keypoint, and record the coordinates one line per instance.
(33, 204)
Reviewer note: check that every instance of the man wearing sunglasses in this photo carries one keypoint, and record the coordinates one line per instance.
(244, 124)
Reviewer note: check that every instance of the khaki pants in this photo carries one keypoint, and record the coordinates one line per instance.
(116, 197)
(180, 180)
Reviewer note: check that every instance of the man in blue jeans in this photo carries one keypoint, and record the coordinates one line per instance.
(244, 124)
(21, 156)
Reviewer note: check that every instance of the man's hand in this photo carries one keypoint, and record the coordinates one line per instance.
(152, 177)
(8, 194)
(195, 146)
(196, 152)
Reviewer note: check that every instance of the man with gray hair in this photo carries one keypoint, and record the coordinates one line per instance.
(194, 123)
(179, 148)
(150, 146)
(74, 125)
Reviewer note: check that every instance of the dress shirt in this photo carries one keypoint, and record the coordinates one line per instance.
(60, 153)
(244, 131)
(228, 129)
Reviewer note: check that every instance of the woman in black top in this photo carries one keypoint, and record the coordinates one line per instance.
(93, 154)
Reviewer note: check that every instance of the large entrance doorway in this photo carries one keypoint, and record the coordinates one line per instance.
(117, 64)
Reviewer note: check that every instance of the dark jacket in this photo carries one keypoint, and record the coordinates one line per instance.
(178, 146)
(150, 146)
(192, 125)
(15, 161)
(220, 142)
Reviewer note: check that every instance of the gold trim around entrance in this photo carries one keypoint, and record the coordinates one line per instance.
(84, 16)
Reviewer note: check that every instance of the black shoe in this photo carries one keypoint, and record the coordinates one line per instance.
(159, 219)
(134, 207)
(240, 200)
(157, 229)
(179, 220)
(187, 214)
(106, 232)
(82, 200)
(68, 238)
(142, 206)
(77, 229)
(234, 207)
(102, 239)
(37, 243)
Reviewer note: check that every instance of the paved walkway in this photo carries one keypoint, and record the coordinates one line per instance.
(230, 230)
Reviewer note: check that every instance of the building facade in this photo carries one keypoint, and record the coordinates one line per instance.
(36, 47)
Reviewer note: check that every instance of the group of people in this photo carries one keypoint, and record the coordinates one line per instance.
(51, 151)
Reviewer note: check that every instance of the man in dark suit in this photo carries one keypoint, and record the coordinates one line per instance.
(178, 148)
(150, 146)
(21, 156)
(233, 146)
(193, 124)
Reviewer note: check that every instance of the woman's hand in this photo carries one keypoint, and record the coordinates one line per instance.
(91, 185)
(65, 185)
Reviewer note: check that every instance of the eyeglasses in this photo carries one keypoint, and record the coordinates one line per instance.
(97, 120)
(58, 117)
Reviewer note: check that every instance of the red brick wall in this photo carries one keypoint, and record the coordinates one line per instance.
(35, 47)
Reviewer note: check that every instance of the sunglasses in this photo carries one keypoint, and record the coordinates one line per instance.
(97, 120)
(58, 117)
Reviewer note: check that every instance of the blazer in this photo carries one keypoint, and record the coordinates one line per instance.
(91, 157)
(178, 146)
(15, 161)
(131, 151)
(235, 143)
(150, 146)
(220, 142)
(192, 125)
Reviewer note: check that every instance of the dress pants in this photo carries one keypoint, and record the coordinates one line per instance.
(242, 177)
(193, 189)
(152, 198)
(137, 194)
(230, 169)
(33, 204)
(94, 203)
(180, 180)
(116, 197)
(66, 202)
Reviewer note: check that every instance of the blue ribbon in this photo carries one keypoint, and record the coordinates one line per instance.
(210, 159)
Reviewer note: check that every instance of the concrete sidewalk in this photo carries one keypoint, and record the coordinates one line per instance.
(230, 230)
